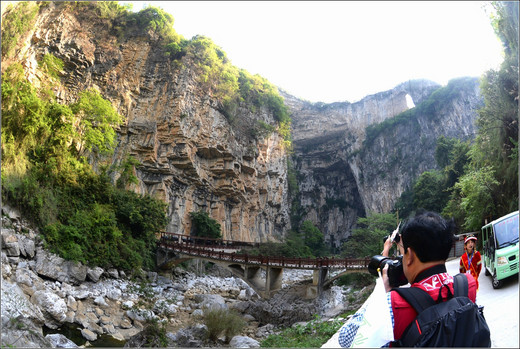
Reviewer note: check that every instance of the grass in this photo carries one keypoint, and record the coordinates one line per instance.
(311, 335)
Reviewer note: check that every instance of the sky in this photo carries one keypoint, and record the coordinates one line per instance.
(336, 51)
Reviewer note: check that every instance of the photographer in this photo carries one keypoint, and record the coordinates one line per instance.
(424, 243)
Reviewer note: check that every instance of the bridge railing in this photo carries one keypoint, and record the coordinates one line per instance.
(209, 248)
(196, 240)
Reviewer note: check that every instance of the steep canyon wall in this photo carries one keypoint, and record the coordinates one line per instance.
(192, 157)
(342, 175)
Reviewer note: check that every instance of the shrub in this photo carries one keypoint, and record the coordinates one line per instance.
(311, 335)
(97, 120)
(222, 321)
(16, 22)
(51, 65)
(233, 86)
(356, 280)
(154, 334)
(262, 129)
(205, 226)
(112, 9)
(83, 217)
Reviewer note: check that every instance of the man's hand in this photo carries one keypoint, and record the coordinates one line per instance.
(387, 246)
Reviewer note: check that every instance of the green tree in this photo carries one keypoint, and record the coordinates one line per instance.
(404, 206)
(432, 189)
(477, 190)
(313, 238)
(127, 176)
(429, 191)
(489, 188)
(367, 239)
(204, 225)
(97, 122)
(458, 160)
(82, 216)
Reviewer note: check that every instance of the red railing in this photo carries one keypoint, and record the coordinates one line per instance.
(219, 249)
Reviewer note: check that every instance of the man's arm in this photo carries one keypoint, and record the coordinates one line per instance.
(387, 246)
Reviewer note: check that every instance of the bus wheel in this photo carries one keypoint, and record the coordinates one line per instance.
(496, 283)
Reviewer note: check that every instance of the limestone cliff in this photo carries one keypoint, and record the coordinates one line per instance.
(344, 176)
(191, 156)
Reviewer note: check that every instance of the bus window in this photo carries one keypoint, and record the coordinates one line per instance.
(506, 232)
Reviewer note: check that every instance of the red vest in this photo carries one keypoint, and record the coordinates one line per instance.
(475, 266)
(404, 313)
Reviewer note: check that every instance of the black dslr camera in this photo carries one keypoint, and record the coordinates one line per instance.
(395, 269)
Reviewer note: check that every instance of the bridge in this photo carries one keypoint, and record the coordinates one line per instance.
(262, 273)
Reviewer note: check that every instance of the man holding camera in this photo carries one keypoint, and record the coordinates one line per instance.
(424, 243)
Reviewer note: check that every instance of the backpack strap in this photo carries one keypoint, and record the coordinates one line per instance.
(418, 298)
(460, 285)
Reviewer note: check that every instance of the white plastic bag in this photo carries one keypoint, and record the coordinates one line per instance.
(371, 325)
(376, 329)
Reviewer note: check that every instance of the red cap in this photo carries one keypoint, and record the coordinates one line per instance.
(470, 237)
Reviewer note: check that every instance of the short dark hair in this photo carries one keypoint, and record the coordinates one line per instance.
(429, 235)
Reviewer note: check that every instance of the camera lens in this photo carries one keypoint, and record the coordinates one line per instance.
(377, 262)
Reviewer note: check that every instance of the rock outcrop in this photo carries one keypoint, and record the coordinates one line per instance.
(112, 308)
(195, 158)
(343, 176)
(191, 156)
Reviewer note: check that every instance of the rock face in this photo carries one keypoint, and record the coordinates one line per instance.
(191, 156)
(116, 309)
(342, 176)
(194, 158)
(385, 167)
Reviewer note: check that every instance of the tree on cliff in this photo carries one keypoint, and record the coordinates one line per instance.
(489, 187)
(204, 225)
(367, 239)
(482, 178)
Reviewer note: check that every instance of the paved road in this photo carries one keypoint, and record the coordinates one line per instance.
(500, 307)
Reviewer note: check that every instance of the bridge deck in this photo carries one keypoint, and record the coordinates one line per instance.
(225, 250)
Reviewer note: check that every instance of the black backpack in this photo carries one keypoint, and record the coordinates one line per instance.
(457, 322)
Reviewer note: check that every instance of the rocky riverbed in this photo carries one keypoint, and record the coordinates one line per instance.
(50, 302)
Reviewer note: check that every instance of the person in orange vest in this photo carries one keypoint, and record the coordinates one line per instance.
(471, 262)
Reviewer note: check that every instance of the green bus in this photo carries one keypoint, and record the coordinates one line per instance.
(500, 243)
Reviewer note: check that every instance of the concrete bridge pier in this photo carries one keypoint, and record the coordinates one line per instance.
(265, 288)
(319, 277)
(273, 280)
(252, 275)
